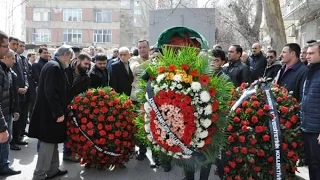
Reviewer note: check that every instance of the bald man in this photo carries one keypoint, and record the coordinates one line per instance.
(257, 62)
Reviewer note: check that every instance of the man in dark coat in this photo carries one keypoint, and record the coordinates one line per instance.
(310, 114)
(293, 73)
(121, 75)
(273, 66)
(257, 62)
(48, 119)
(37, 67)
(98, 73)
(32, 93)
(9, 105)
(237, 71)
(79, 79)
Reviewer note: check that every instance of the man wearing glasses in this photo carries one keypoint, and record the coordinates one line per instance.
(273, 65)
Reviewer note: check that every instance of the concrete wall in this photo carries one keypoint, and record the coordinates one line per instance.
(199, 19)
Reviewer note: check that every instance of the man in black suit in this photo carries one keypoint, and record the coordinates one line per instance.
(98, 73)
(37, 67)
(31, 58)
(121, 76)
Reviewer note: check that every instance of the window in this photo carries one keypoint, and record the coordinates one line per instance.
(41, 35)
(41, 14)
(72, 15)
(103, 15)
(72, 35)
(102, 36)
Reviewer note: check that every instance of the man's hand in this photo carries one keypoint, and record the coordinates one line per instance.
(319, 139)
(16, 116)
(22, 90)
(60, 119)
(4, 136)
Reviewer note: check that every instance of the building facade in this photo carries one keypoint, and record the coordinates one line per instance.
(73, 22)
(302, 20)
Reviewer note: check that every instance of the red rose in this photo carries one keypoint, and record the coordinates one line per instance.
(118, 124)
(117, 142)
(113, 92)
(106, 97)
(288, 124)
(231, 139)
(260, 153)
(228, 153)
(237, 178)
(101, 92)
(294, 119)
(84, 120)
(125, 134)
(290, 154)
(279, 99)
(244, 128)
(242, 139)
(160, 69)
(102, 141)
(204, 80)
(255, 104)
(75, 106)
(90, 125)
(101, 103)
(110, 118)
(77, 99)
(104, 110)
(266, 138)
(236, 119)
(93, 151)
(111, 136)
(253, 150)
(89, 92)
(254, 119)
(90, 132)
(257, 169)
(294, 145)
(81, 108)
(214, 117)
(172, 68)
(118, 133)
(232, 164)
(208, 140)
(120, 117)
(226, 169)
(212, 91)
(93, 104)
(100, 126)
(244, 104)
(85, 100)
(110, 103)
(83, 127)
(185, 67)
(266, 107)
(215, 106)
(230, 128)
(260, 129)
(244, 150)
(101, 118)
(96, 111)
(235, 149)
(102, 133)
(260, 112)
(86, 111)
(270, 159)
(94, 98)
(284, 110)
(194, 73)
(116, 100)
(238, 111)
(129, 128)
(284, 146)
(91, 116)
(108, 127)
(245, 123)
(239, 160)
(248, 111)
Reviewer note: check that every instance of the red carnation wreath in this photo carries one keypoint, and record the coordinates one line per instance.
(102, 131)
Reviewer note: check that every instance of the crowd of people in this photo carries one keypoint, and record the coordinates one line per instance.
(38, 90)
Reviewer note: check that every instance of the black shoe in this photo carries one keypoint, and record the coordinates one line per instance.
(140, 157)
(59, 173)
(24, 133)
(167, 168)
(22, 142)
(9, 172)
(14, 147)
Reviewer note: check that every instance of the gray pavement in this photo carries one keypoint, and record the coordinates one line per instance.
(25, 160)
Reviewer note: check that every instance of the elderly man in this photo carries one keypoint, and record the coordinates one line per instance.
(48, 119)
(257, 62)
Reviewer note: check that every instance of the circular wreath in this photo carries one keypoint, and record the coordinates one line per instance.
(102, 130)
(249, 154)
(191, 103)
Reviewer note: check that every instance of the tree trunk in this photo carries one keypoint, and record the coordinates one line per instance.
(275, 24)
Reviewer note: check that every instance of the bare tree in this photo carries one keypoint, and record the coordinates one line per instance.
(275, 24)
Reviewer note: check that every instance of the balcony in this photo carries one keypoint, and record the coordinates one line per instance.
(297, 9)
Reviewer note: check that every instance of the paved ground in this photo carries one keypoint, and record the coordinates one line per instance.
(25, 160)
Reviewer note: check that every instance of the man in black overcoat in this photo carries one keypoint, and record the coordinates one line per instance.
(48, 119)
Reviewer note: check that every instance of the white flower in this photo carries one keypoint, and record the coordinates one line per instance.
(149, 136)
(147, 107)
(200, 144)
(205, 96)
(205, 122)
(160, 78)
(177, 78)
(195, 86)
(164, 86)
(208, 110)
(204, 134)
(170, 153)
(179, 86)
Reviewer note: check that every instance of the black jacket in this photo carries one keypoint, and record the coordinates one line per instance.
(77, 84)
(36, 69)
(98, 77)
(120, 80)
(32, 85)
(257, 66)
(310, 114)
(21, 70)
(272, 70)
(293, 78)
(238, 72)
(51, 103)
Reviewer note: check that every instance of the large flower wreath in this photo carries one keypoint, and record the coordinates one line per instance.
(184, 106)
(252, 152)
(102, 130)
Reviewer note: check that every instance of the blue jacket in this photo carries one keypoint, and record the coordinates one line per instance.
(310, 114)
(293, 78)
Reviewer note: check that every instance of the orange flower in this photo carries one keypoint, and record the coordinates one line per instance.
(172, 68)
(160, 69)
(185, 67)
(194, 73)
